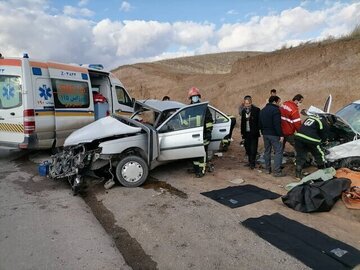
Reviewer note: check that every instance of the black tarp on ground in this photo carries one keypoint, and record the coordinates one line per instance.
(311, 247)
(318, 196)
(237, 196)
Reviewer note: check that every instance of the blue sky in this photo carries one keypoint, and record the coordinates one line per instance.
(213, 11)
(123, 32)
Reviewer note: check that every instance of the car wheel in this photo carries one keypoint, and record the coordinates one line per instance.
(132, 171)
(352, 163)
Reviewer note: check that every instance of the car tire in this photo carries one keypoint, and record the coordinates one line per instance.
(132, 171)
(353, 163)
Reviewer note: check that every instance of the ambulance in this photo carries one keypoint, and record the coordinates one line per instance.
(42, 102)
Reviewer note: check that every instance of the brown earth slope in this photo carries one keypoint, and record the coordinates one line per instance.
(314, 70)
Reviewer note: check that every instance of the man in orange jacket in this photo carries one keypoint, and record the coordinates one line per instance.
(290, 119)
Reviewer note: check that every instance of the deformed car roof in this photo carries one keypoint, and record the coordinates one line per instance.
(158, 105)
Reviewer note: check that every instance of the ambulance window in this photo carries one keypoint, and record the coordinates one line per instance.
(10, 95)
(122, 96)
(70, 94)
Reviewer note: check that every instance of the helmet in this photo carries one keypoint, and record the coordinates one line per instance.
(193, 91)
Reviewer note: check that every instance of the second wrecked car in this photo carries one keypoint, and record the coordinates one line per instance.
(127, 148)
(343, 146)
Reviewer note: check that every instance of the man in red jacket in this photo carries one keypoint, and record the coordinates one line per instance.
(290, 119)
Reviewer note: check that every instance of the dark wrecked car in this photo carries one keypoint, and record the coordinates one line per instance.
(127, 148)
(343, 147)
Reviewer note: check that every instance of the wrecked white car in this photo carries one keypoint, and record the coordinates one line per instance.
(158, 132)
(343, 147)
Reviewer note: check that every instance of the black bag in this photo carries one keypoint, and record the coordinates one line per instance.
(319, 196)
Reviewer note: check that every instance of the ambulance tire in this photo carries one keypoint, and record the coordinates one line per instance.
(132, 171)
(353, 163)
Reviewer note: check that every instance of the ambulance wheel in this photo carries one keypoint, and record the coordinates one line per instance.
(132, 171)
(353, 163)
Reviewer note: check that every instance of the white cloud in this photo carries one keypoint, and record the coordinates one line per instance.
(125, 6)
(83, 3)
(270, 32)
(71, 37)
(191, 33)
(232, 12)
(74, 11)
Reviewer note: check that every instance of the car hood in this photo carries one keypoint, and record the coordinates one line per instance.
(102, 128)
(350, 149)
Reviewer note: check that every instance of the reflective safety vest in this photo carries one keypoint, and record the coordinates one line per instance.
(313, 130)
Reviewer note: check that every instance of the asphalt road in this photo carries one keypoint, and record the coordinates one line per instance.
(42, 226)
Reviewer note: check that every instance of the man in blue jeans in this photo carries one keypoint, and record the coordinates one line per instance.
(270, 125)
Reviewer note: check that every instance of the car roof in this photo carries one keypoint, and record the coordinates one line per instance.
(159, 105)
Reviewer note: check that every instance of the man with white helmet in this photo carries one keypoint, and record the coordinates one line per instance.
(200, 164)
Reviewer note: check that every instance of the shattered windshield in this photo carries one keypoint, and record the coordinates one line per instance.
(351, 114)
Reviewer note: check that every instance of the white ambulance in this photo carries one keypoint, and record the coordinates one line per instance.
(41, 102)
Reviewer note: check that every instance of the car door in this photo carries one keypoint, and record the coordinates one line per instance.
(181, 136)
(221, 128)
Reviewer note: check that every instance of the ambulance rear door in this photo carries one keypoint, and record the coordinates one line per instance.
(43, 104)
(11, 103)
(73, 101)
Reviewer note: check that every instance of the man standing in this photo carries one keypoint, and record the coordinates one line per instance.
(241, 108)
(270, 125)
(200, 164)
(250, 130)
(290, 118)
(312, 132)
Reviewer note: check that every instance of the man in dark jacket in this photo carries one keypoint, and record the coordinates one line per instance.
(270, 125)
(250, 129)
(311, 134)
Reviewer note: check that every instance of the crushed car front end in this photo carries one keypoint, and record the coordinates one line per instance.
(98, 147)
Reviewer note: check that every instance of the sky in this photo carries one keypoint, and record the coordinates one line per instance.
(116, 32)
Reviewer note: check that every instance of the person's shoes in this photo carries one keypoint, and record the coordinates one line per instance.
(279, 174)
(252, 167)
(268, 171)
(210, 167)
(247, 165)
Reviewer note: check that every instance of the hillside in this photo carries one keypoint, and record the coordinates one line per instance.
(314, 70)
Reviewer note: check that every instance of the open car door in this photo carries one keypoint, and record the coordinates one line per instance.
(220, 130)
(181, 135)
